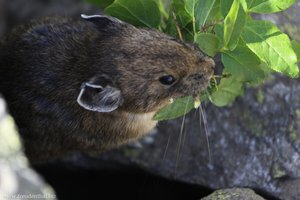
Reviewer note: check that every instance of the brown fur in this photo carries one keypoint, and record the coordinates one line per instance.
(43, 64)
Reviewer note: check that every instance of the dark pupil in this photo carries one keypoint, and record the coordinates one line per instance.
(167, 80)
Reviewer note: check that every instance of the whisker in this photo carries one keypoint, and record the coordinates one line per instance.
(179, 145)
(202, 113)
(208, 95)
(195, 113)
(184, 137)
(200, 118)
(167, 146)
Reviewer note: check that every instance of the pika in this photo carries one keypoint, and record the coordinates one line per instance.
(94, 83)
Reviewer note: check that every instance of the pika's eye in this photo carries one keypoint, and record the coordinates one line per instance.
(167, 80)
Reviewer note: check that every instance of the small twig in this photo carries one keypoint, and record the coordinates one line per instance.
(207, 26)
(177, 27)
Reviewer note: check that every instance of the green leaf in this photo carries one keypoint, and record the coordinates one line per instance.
(243, 64)
(268, 6)
(190, 6)
(225, 7)
(296, 47)
(271, 46)
(179, 107)
(101, 3)
(184, 19)
(215, 13)
(233, 25)
(202, 11)
(182, 16)
(219, 31)
(244, 5)
(137, 12)
(186, 32)
(200, 16)
(209, 43)
(228, 90)
(162, 7)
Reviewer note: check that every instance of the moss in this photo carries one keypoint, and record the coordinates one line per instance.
(294, 135)
(233, 194)
(298, 114)
(278, 171)
(131, 152)
(253, 124)
(260, 97)
(293, 128)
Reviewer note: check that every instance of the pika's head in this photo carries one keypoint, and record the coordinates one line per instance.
(139, 70)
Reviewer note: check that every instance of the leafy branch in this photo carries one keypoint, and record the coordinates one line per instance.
(250, 49)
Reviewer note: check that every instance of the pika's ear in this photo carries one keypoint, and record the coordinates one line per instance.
(103, 21)
(99, 95)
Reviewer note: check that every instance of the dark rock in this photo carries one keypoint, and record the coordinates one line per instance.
(15, 12)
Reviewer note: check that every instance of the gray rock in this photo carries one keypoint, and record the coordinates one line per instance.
(17, 179)
(254, 143)
(233, 194)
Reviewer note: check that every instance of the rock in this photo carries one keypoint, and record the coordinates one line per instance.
(11, 14)
(233, 194)
(17, 179)
(253, 143)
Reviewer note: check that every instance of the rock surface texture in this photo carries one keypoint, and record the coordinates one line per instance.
(233, 194)
(253, 143)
